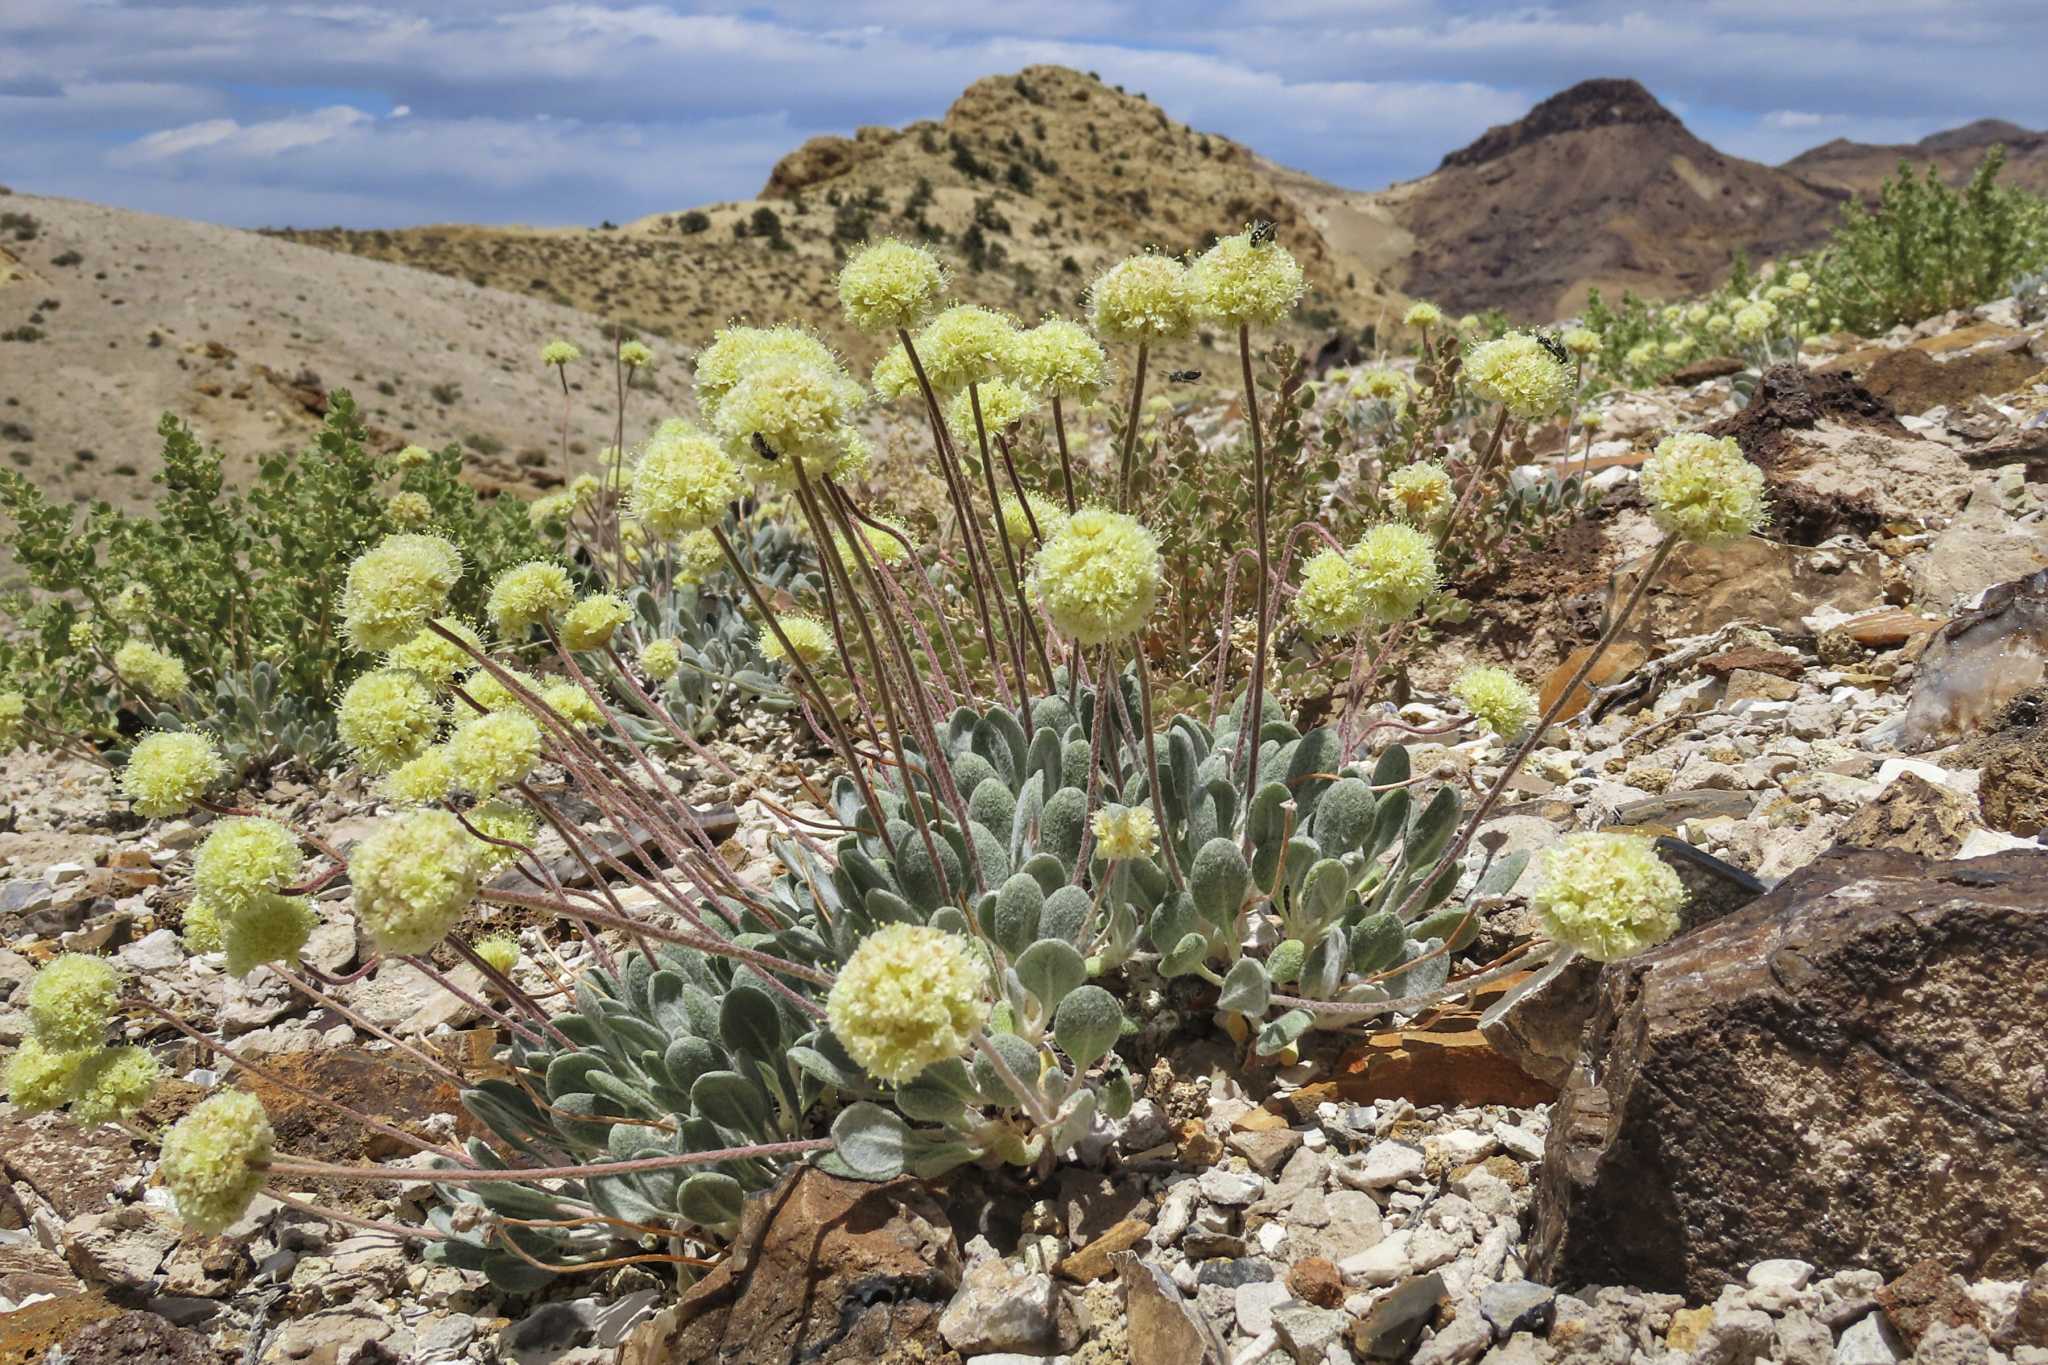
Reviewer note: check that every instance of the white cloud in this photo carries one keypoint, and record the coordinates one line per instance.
(554, 110)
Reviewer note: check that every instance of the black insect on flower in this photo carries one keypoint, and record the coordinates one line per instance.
(1549, 342)
(1262, 232)
(1183, 376)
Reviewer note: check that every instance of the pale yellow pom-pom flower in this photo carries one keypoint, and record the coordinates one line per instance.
(1608, 895)
(909, 996)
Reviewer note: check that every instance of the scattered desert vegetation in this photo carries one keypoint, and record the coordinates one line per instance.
(1131, 720)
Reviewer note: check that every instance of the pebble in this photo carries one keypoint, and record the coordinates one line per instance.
(1386, 1163)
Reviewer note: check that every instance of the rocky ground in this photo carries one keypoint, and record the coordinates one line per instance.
(1807, 1130)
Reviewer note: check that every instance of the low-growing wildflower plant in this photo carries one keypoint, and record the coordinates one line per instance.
(1024, 850)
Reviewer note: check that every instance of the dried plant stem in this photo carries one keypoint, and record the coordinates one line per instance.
(1255, 704)
(1059, 430)
(955, 488)
(1025, 622)
(1152, 764)
(810, 682)
(412, 1175)
(1535, 736)
(270, 1077)
(1123, 475)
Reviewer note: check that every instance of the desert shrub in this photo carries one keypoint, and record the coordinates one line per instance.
(693, 221)
(1926, 248)
(241, 588)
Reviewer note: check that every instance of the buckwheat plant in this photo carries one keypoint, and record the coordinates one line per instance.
(1021, 857)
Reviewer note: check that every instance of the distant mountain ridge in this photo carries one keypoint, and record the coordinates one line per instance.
(1036, 180)
(1861, 167)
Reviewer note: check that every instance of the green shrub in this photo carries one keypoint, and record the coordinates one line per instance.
(232, 580)
(1926, 248)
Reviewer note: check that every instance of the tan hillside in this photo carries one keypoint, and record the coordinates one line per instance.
(1598, 186)
(1862, 167)
(1030, 184)
(111, 318)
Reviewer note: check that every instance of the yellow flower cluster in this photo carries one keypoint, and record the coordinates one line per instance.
(788, 411)
(528, 595)
(909, 996)
(1607, 895)
(1048, 515)
(242, 858)
(496, 749)
(1243, 280)
(1421, 490)
(1142, 298)
(386, 717)
(1124, 833)
(270, 928)
(1519, 372)
(64, 1059)
(414, 876)
(684, 482)
(1423, 314)
(409, 509)
(501, 951)
(169, 771)
(559, 352)
(736, 352)
(660, 659)
(211, 1160)
(70, 1001)
(1003, 405)
(395, 587)
(423, 781)
(150, 671)
(134, 603)
(634, 355)
(1059, 359)
(437, 660)
(808, 636)
(1702, 490)
(890, 284)
(1098, 576)
(1496, 699)
(1329, 601)
(1396, 567)
(592, 622)
(966, 345)
(893, 375)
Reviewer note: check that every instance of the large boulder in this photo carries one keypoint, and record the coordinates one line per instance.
(1850, 1071)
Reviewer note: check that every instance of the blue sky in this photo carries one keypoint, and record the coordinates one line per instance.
(375, 112)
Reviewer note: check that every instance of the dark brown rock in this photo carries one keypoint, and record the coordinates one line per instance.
(1911, 380)
(2012, 766)
(823, 1270)
(1928, 1295)
(1700, 371)
(1316, 1280)
(1850, 1071)
(1161, 1328)
(1396, 1321)
(1777, 662)
(134, 1338)
(1911, 815)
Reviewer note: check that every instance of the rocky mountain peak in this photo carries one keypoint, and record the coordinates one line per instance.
(1600, 103)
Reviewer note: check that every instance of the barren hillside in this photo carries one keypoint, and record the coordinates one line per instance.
(1599, 185)
(109, 318)
(1031, 183)
(1861, 167)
